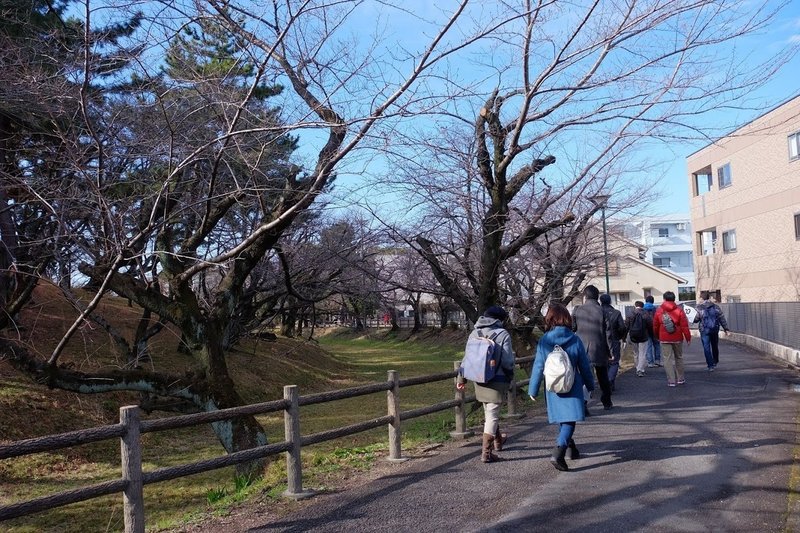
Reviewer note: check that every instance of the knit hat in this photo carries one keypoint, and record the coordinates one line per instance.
(496, 312)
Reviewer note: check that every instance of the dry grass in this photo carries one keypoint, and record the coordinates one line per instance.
(260, 369)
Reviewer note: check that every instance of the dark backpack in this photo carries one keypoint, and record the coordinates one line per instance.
(638, 329)
(481, 362)
(669, 324)
(710, 318)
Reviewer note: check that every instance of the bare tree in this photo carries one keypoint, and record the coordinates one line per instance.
(183, 180)
(571, 92)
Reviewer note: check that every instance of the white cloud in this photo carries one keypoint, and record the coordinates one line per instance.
(794, 38)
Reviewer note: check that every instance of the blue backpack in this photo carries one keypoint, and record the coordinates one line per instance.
(481, 362)
(710, 318)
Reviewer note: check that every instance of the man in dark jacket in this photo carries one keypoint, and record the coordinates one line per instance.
(617, 332)
(711, 318)
(590, 325)
(640, 326)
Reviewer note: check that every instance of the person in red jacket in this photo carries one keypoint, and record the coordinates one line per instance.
(671, 327)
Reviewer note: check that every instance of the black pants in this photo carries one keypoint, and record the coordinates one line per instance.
(605, 385)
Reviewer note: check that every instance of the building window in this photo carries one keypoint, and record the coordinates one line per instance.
(623, 297)
(724, 175)
(794, 146)
(648, 291)
(797, 226)
(662, 262)
(703, 181)
(707, 242)
(733, 299)
(729, 241)
(686, 293)
(663, 232)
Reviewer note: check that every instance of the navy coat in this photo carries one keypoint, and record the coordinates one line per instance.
(568, 406)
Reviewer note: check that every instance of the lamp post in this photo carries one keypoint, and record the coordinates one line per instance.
(601, 200)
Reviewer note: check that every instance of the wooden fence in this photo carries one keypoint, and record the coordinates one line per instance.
(131, 427)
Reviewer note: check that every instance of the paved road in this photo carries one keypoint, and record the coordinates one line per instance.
(715, 454)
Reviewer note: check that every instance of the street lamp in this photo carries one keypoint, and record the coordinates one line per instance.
(601, 200)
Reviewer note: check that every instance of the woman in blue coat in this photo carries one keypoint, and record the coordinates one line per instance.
(562, 408)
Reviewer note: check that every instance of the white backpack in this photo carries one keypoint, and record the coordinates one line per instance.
(559, 374)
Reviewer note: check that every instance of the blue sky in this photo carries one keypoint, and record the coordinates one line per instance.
(413, 28)
(666, 160)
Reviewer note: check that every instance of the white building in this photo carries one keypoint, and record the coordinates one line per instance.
(668, 243)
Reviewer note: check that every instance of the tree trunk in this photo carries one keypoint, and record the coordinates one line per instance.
(237, 434)
(289, 322)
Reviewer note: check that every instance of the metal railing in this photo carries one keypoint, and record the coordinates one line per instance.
(772, 321)
(131, 427)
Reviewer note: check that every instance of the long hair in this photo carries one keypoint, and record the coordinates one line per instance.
(557, 315)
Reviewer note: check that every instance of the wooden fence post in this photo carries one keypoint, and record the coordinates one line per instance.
(461, 431)
(393, 401)
(291, 428)
(131, 455)
(511, 399)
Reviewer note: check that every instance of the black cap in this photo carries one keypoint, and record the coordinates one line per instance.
(496, 312)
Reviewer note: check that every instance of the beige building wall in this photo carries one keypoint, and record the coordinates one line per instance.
(760, 205)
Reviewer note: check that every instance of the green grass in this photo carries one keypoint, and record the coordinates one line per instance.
(352, 361)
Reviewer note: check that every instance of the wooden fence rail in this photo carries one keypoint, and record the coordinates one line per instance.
(131, 427)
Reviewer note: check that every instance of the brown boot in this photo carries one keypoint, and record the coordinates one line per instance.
(486, 452)
(499, 440)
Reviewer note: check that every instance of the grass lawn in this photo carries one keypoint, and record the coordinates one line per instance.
(349, 361)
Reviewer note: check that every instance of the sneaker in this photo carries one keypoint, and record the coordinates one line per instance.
(711, 369)
(681, 381)
(658, 364)
(670, 384)
(639, 373)
(650, 365)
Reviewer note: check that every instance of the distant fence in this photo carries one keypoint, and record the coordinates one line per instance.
(131, 427)
(777, 322)
(427, 320)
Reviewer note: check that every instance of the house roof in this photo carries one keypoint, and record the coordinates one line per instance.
(657, 269)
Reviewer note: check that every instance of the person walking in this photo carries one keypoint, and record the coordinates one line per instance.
(590, 325)
(617, 332)
(711, 318)
(640, 326)
(653, 344)
(492, 393)
(671, 327)
(564, 409)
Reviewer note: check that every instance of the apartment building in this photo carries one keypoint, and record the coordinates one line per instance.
(667, 242)
(745, 210)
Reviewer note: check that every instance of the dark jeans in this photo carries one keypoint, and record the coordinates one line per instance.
(653, 351)
(613, 364)
(710, 341)
(605, 386)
